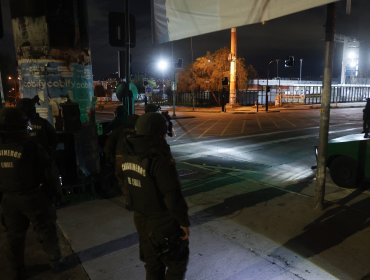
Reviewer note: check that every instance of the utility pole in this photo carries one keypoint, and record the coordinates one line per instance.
(127, 54)
(300, 69)
(173, 84)
(232, 59)
(325, 108)
(267, 83)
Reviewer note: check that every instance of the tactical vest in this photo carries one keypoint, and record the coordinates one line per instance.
(17, 172)
(10, 165)
(144, 195)
(39, 132)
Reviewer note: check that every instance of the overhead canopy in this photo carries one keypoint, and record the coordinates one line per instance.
(175, 19)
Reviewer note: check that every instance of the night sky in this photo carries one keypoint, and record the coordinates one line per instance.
(300, 35)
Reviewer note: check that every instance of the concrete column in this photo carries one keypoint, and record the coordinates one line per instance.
(53, 53)
(232, 59)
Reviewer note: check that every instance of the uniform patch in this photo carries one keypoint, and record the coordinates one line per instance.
(10, 153)
(130, 166)
(134, 182)
(7, 164)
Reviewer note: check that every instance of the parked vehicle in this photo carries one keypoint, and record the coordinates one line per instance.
(348, 160)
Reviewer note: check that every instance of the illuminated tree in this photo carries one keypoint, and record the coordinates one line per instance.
(206, 72)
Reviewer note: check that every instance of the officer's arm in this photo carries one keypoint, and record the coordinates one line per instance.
(52, 135)
(169, 185)
(111, 145)
(51, 173)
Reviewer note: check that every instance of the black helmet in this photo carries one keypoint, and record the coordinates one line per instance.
(12, 120)
(151, 124)
(152, 108)
(131, 121)
(27, 106)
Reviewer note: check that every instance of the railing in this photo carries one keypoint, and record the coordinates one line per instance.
(300, 94)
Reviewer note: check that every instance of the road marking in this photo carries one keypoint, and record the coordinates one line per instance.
(292, 124)
(260, 135)
(243, 126)
(273, 121)
(187, 132)
(216, 122)
(237, 150)
(209, 150)
(227, 126)
(183, 128)
(259, 123)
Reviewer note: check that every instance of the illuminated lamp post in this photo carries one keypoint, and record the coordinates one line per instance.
(162, 66)
(350, 59)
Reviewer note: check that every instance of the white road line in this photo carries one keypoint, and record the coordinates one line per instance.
(258, 135)
(277, 126)
(243, 126)
(187, 132)
(258, 122)
(210, 151)
(209, 128)
(227, 126)
(292, 124)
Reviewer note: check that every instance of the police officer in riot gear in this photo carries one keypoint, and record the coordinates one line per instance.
(109, 183)
(24, 167)
(42, 131)
(154, 194)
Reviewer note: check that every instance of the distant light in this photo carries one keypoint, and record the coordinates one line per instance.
(352, 64)
(352, 55)
(162, 65)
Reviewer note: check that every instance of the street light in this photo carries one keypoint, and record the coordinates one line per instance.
(162, 66)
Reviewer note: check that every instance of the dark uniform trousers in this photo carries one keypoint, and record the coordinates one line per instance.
(156, 261)
(21, 209)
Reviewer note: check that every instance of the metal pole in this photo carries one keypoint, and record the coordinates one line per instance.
(127, 53)
(300, 69)
(173, 86)
(325, 108)
(267, 83)
(258, 91)
(191, 49)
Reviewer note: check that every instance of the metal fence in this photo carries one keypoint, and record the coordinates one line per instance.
(301, 94)
(311, 94)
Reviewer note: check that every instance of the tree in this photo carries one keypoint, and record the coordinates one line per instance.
(206, 72)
